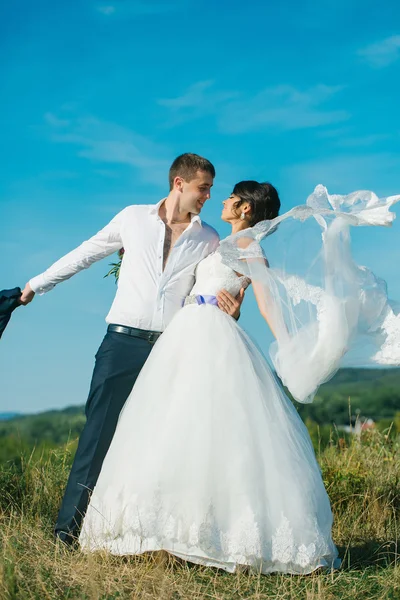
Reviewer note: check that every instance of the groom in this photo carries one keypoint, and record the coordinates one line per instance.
(163, 244)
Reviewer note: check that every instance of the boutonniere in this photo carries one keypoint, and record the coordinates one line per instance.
(116, 266)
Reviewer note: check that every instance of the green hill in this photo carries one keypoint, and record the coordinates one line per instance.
(369, 393)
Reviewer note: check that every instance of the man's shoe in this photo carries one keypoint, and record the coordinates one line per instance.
(69, 540)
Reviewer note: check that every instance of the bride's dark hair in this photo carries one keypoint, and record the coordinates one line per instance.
(263, 199)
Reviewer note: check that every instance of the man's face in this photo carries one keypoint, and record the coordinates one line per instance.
(195, 193)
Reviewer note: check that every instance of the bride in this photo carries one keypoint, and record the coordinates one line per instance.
(210, 460)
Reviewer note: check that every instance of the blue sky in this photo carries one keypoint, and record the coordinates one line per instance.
(96, 100)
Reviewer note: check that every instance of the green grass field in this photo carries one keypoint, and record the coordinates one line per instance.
(363, 481)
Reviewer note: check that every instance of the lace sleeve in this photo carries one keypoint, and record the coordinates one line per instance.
(239, 252)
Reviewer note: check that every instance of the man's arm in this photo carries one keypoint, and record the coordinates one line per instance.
(104, 243)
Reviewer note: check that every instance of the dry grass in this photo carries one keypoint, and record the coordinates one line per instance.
(363, 481)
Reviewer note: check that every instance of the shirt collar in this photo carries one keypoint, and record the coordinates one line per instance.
(154, 208)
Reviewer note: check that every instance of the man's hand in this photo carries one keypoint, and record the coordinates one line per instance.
(27, 295)
(229, 304)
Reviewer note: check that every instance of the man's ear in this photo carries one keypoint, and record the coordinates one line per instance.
(178, 183)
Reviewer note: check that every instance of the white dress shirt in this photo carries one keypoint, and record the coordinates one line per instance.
(147, 297)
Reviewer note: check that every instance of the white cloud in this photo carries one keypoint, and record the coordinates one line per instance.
(132, 8)
(199, 100)
(108, 143)
(56, 175)
(106, 10)
(345, 173)
(336, 133)
(107, 173)
(55, 121)
(382, 53)
(364, 140)
(281, 107)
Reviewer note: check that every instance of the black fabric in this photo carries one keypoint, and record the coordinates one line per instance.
(119, 361)
(9, 300)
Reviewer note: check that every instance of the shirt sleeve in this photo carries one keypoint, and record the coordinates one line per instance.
(104, 243)
(214, 242)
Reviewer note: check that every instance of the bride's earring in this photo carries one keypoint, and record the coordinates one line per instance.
(242, 216)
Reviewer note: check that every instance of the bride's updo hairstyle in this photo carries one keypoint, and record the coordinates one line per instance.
(262, 197)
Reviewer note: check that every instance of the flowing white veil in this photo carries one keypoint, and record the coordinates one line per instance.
(325, 310)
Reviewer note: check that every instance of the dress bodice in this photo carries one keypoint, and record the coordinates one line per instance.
(212, 276)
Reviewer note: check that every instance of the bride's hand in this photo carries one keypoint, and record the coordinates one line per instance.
(229, 304)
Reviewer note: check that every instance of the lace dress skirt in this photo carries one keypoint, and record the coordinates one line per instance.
(210, 460)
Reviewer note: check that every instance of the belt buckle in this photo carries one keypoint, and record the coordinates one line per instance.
(152, 338)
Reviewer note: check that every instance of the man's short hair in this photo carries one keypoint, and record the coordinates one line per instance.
(187, 165)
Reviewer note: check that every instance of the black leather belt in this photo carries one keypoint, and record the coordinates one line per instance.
(150, 336)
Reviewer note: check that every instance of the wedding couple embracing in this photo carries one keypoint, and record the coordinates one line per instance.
(191, 445)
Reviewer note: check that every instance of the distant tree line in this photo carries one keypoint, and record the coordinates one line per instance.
(352, 394)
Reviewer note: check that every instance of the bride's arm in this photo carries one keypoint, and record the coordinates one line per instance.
(265, 304)
(247, 251)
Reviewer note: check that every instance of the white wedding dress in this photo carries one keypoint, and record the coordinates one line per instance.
(210, 460)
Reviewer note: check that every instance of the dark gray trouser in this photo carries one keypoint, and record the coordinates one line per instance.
(119, 361)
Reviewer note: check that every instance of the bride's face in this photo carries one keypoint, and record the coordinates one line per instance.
(229, 214)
